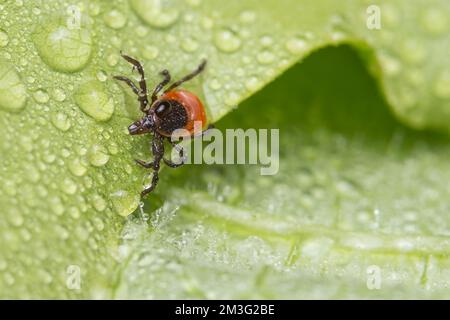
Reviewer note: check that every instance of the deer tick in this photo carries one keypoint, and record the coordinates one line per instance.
(166, 112)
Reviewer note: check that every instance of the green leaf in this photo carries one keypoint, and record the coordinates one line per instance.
(356, 188)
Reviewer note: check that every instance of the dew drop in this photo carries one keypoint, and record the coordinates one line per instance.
(62, 48)
(247, 16)
(77, 167)
(68, 186)
(115, 19)
(56, 205)
(12, 91)
(252, 84)
(98, 155)
(389, 64)
(99, 203)
(266, 41)
(112, 59)
(92, 98)
(215, 84)
(189, 44)
(156, 13)
(227, 41)
(59, 95)
(150, 52)
(435, 21)
(102, 76)
(265, 57)
(296, 45)
(4, 39)
(41, 96)
(74, 212)
(60, 121)
(124, 203)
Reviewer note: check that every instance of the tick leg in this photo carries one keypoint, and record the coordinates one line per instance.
(142, 83)
(152, 186)
(129, 82)
(144, 164)
(165, 73)
(172, 164)
(158, 152)
(188, 77)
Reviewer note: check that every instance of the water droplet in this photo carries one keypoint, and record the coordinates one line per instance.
(59, 95)
(77, 167)
(92, 98)
(124, 203)
(74, 212)
(4, 39)
(247, 16)
(252, 84)
(232, 99)
(207, 23)
(60, 121)
(63, 48)
(265, 57)
(98, 156)
(68, 186)
(115, 19)
(189, 44)
(389, 64)
(156, 13)
(296, 45)
(99, 203)
(215, 84)
(435, 21)
(266, 41)
(227, 41)
(112, 59)
(12, 91)
(15, 218)
(41, 96)
(102, 76)
(141, 31)
(150, 52)
(442, 85)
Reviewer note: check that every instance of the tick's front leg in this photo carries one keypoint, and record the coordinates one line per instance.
(158, 153)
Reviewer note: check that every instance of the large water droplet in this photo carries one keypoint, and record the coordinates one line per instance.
(92, 98)
(296, 45)
(115, 19)
(98, 202)
(63, 48)
(156, 13)
(98, 155)
(124, 203)
(227, 41)
(12, 91)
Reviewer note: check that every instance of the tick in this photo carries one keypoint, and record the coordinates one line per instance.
(167, 111)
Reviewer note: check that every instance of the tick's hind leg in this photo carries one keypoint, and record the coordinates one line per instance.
(188, 77)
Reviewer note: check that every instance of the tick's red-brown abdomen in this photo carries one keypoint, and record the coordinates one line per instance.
(193, 106)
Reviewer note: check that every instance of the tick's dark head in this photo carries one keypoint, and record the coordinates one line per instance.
(144, 125)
